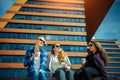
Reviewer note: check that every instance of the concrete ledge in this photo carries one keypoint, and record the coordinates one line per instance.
(28, 78)
(15, 78)
(21, 78)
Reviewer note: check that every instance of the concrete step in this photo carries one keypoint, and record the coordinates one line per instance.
(28, 78)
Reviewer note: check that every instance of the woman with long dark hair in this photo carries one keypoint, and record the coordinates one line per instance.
(95, 65)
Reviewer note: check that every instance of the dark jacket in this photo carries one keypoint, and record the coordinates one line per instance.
(100, 64)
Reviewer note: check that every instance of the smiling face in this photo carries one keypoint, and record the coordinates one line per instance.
(55, 49)
(41, 41)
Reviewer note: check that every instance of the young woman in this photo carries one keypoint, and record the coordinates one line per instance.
(95, 65)
(35, 59)
(59, 64)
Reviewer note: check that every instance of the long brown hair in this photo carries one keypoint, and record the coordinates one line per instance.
(100, 48)
(61, 56)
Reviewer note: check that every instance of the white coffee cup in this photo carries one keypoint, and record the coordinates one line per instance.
(83, 60)
(38, 53)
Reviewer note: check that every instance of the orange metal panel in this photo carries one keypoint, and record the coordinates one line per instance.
(28, 41)
(114, 62)
(112, 67)
(11, 65)
(102, 40)
(76, 66)
(13, 52)
(114, 57)
(22, 53)
(43, 22)
(50, 7)
(9, 16)
(46, 14)
(113, 48)
(113, 52)
(20, 65)
(113, 73)
(21, 1)
(42, 31)
(64, 1)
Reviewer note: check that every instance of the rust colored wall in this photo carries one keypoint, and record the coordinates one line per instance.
(95, 11)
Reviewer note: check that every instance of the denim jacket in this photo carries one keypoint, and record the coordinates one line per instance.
(30, 63)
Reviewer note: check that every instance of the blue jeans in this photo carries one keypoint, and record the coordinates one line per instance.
(39, 75)
(63, 74)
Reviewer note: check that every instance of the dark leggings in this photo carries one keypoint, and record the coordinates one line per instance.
(62, 74)
(87, 73)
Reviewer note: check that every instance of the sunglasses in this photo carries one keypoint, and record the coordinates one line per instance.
(57, 46)
(42, 41)
(90, 45)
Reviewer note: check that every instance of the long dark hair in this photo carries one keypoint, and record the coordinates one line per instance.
(101, 50)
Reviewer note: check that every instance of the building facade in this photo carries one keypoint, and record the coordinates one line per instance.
(58, 21)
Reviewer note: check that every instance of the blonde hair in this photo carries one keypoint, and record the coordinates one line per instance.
(37, 47)
(62, 55)
(103, 52)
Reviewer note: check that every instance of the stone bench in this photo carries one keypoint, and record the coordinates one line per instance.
(20, 78)
(28, 78)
